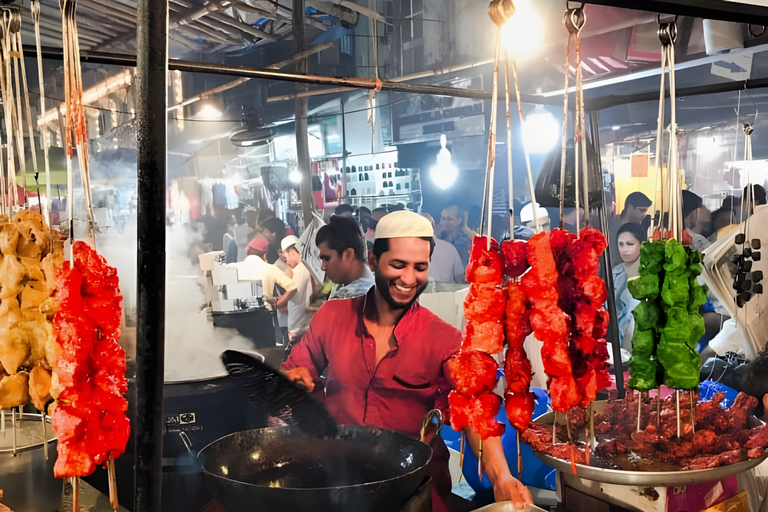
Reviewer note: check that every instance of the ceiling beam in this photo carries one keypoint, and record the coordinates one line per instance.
(737, 11)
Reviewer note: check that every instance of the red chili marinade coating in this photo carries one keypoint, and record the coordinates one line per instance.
(89, 416)
(518, 400)
(473, 370)
(549, 321)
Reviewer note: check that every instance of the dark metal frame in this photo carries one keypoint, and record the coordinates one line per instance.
(707, 9)
(152, 66)
(151, 130)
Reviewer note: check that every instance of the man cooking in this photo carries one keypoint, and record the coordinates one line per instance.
(255, 268)
(386, 356)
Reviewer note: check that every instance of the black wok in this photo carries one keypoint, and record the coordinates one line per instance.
(283, 469)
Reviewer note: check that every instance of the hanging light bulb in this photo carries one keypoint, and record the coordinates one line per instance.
(540, 131)
(444, 173)
(295, 176)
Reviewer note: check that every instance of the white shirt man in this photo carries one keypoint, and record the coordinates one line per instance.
(299, 310)
(255, 268)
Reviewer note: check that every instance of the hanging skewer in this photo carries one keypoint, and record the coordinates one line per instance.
(519, 456)
(639, 409)
(480, 462)
(35, 7)
(13, 426)
(510, 180)
(693, 412)
(45, 438)
(112, 483)
(491, 159)
(677, 398)
(2, 421)
(76, 494)
(658, 406)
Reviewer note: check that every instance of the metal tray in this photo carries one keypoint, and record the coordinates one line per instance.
(646, 478)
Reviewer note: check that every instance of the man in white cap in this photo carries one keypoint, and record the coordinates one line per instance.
(526, 217)
(299, 310)
(386, 356)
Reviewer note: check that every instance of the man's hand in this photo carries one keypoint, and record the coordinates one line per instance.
(301, 376)
(505, 486)
(509, 488)
(271, 302)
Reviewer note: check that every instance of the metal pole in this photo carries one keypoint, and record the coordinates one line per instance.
(343, 150)
(302, 137)
(613, 326)
(151, 129)
(190, 66)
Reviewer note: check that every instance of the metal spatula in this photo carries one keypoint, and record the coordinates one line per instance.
(277, 395)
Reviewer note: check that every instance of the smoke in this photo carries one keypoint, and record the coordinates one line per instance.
(193, 346)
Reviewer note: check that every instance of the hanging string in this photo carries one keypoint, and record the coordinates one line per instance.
(491, 160)
(536, 221)
(574, 21)
(510, 176)
(44, 127)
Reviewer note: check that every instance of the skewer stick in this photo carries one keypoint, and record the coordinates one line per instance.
(693, 411)
(480, 462)
(21, 413)
(639, 409)
(491, 159)
(13, 422)
(462, 440)
(677, 398)
(592, 426)
(510, 185)
(2, 421)
(586, 440)
(554, 430)
(519, 456)
(658, 406)
(112, 483)
(76, 494)
(536, 222)
(45, 438)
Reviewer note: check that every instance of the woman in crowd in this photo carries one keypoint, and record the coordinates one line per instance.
(628, 239)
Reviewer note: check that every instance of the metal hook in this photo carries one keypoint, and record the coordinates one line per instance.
(500, 11)
(575, 19)
(667, 33)
(752, 33)
(748, 129)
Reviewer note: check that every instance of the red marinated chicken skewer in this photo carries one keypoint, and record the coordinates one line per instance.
(89, 377)
(473, 370)
(549, 322)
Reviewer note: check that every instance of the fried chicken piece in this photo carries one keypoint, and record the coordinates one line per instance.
(11, 276)
(33, 294)
(14, 390)
(14, 349)
(39, 333)
(40, 387)
(50, 266)
(9, 238)
(35, 237)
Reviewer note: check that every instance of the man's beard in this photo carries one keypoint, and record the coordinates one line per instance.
(382, 284)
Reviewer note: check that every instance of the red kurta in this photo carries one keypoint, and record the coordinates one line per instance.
(397, 393)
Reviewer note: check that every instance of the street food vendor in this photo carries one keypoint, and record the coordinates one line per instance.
(386, 356)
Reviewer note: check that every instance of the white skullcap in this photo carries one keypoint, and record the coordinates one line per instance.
(403, 224)
(289, 241)
(526, 214)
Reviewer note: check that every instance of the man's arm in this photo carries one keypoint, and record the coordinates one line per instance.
(505, 486)
(272, 276)
(308, 360)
